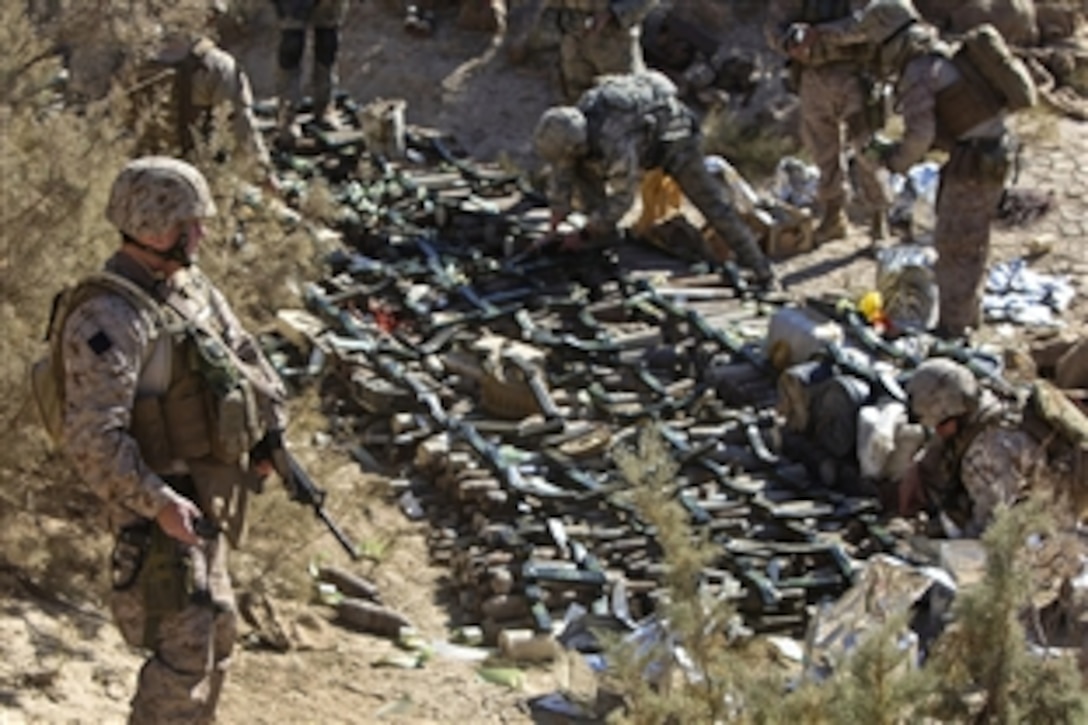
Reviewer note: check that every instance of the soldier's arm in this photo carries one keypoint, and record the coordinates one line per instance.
(561, 192)
(230, 85)
(622, 174)
(996, 469)
(929, 475)
(917, 101)
(104, 341)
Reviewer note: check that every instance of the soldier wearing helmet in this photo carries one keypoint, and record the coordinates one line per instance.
(838, 94)
(188, 78)
(944, 106)
(169, 409)
(624, 126)
(976, 459)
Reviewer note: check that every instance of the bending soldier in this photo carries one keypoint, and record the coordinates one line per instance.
(835, 92)
(624, 126)
(945, 109)
(166, 396)
(295, 16)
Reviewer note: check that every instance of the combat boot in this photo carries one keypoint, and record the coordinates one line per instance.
(287, 129)
(324, 80)
(289, 90)
(833, 225)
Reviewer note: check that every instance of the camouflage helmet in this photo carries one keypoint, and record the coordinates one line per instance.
(941, 389)
(883, 19)
(560, 134)
(154, 193)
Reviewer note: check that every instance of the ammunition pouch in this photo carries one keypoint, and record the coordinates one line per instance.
(151, 580)
(981, 159)
(209, 409)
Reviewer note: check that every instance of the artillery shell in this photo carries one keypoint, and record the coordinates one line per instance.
(348, 584)
(501, 580)
(364, 616)
(525, 645)
(505, 606)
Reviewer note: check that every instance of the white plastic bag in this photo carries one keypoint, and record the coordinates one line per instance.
(914, 201)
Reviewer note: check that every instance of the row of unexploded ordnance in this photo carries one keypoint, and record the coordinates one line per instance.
(511, 572)
(499, 380)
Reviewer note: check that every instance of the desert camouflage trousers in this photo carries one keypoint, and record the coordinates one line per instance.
(584, 56)
(182, 680)
(966, 205)
(833, 111)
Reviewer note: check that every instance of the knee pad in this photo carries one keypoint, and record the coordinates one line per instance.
(292, 43)
(326, 43)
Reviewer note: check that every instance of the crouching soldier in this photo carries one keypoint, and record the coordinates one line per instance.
(626, 125)
(985, 453)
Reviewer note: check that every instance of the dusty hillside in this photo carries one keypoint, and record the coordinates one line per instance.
(62, 661)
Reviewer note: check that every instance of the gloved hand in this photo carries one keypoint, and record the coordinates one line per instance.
(799, 41)
(880, 149)
(260, 455)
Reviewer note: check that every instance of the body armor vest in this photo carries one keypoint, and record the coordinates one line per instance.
(193, 401)
(655, 114)
(966, 103)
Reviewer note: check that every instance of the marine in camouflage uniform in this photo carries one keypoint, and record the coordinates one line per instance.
(944, 109)
(196, 77)
(977, 460)
(164, 400)
(597, 37)
(295, 17)
(622, 127)
(836, 105)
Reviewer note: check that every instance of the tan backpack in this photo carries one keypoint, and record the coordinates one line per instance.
(47, 373)
(987, 52)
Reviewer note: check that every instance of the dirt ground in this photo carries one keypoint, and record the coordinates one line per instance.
(62, 661)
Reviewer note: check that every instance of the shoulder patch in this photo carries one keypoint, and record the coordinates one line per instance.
(100, 342)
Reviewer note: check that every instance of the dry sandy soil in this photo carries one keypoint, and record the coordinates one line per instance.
(62, 661)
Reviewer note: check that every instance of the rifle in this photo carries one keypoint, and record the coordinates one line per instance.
(448, 282)
(303, 490)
